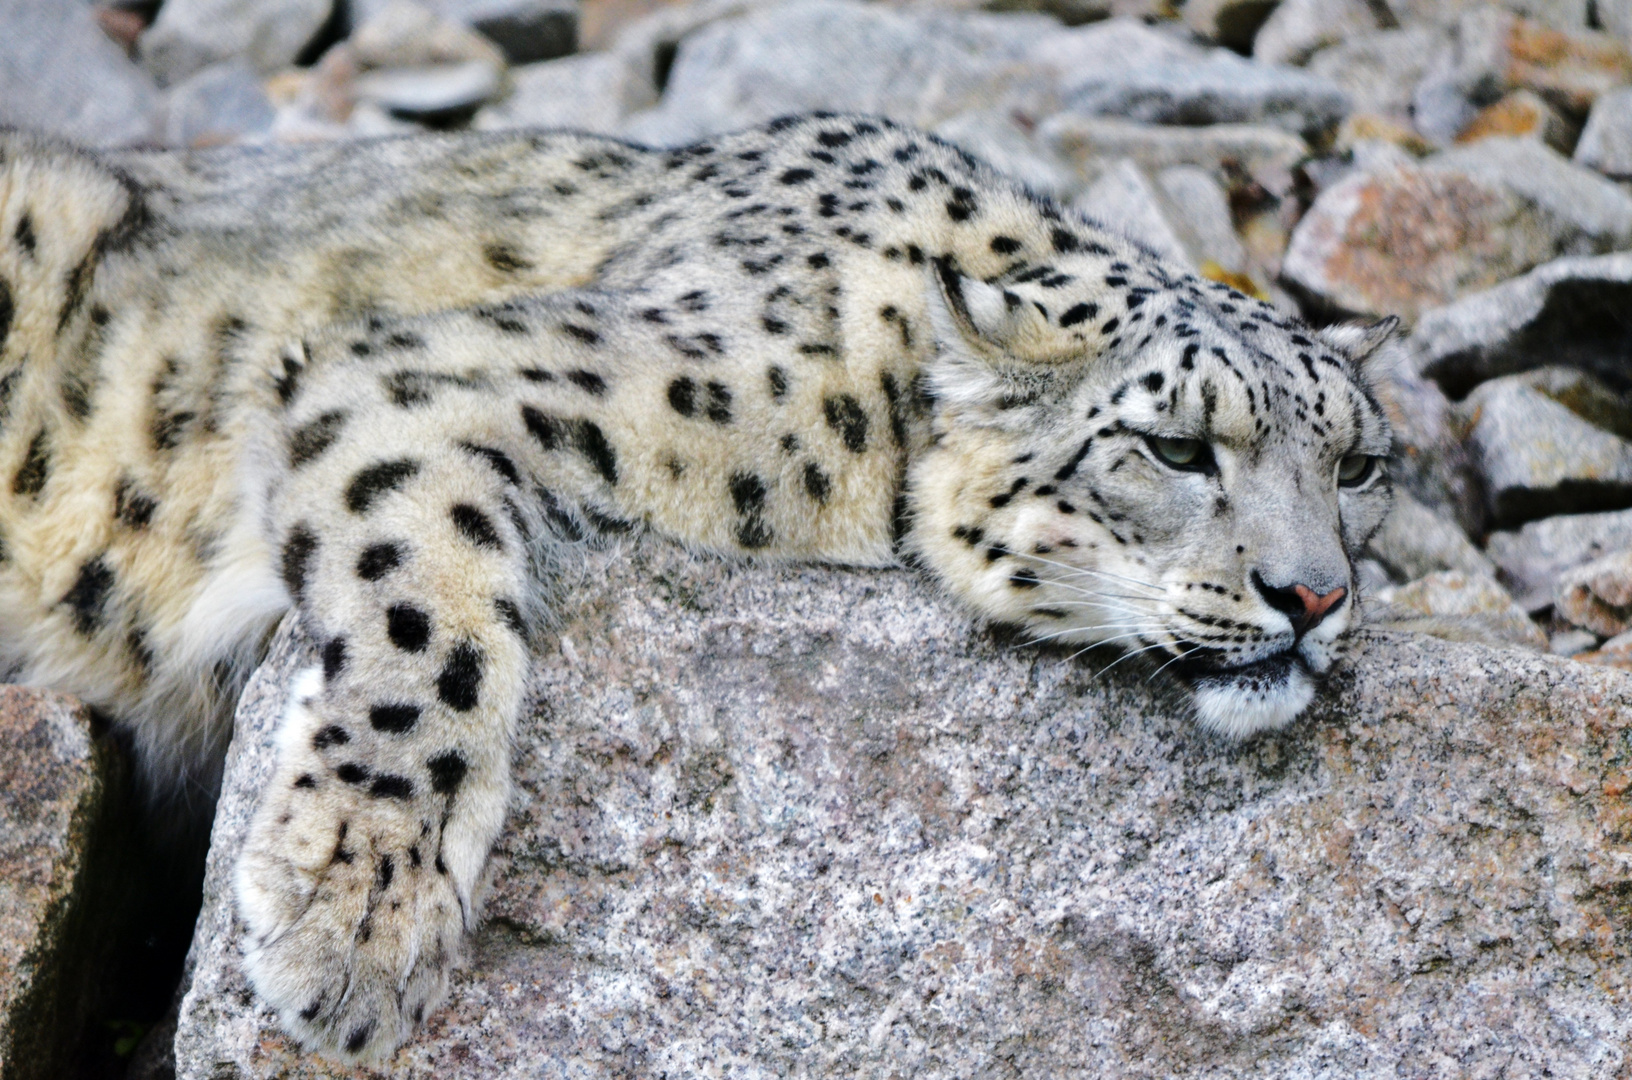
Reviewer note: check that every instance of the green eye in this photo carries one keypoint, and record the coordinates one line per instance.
(1354, 469)
(1189, 454)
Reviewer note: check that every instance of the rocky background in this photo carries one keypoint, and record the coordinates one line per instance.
(1465, 166)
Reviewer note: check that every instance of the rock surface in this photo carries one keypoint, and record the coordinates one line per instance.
(1571, 311)
(1455, 606)
(810, 823)
(1598, 595)
(1539, 454)
(592, 92)
(193, 34)
(1230, 151)
(59, 73)
(1296, 29)
(1606, 141)
(1530, 560)
(55, 780)
(1410, 237)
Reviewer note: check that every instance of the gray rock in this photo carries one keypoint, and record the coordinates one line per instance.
(438, 93)
(993, 136)
(1229, 22)
(591, 92)
(526, 31)
(60, 74)
(1408, 238)
(1615, 16)
(1219, 88)
(1571, 311)
(1537, 454)
(1201, 210)
(407, 34)
(1530, 561)
(1597, 595)
(1429, 459)
(223, 103)
(1229, 151)
(1078, 12)
(1380, 69)
(1571, 642)
(1467, 73)
(917, 67)
(809, 823)
(1456, 606)
(58, 790)
(1606, 141)
(1297, 29)
(193, 34)
(1414, 542)
(1521, 114)
(1124, 200)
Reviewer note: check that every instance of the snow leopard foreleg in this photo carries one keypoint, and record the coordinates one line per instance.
(405, 537)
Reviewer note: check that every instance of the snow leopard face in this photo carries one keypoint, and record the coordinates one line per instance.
(1161, 464)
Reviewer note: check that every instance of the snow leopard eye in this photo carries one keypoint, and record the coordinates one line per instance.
(1188, 455)
(1355, 470)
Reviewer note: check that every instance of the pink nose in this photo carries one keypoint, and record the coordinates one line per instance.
(1315, 607)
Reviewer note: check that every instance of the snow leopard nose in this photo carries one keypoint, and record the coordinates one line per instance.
(1299, 603)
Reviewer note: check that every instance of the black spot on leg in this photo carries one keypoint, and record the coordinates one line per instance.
(779, 382)
(460, 680)
(315, 436)
(334, 658)
(332, 735)
(748, 494)
(1005, 245)
(474, 525)
(817, 484)
(359, 1036)
(388, 786)
(36, 467)
(845, 416)
(719, 403)
(504, 258)
(683, 396)
(131, 506)
(1078, 313)
(352, 773)
(87, 600)
(24, 234)
(408, 627)
(589, 440)
(305, 781)
(378, 560)
(587, 381)
(296, 559)
(393, 717)
(447, 772)
(377, 480)
(497, 458)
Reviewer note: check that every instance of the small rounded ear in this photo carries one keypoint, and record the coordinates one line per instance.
(1369, 345)
(984, 364)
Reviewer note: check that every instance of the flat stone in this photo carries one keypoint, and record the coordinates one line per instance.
(807, 822)
(1521, 114)
(63, 76)
(592, 92)
(1456, 606)
(406, 34)
(192, 34)
(1415, 541)
(432, 93)
(1231, 152)
(1597, 595)
(1429, 459)
(1218, 88)
(993, 136)
(526, 31)
(1530, 561)
(1411, 237)
(54, 798)
(1606, 141)
(1573, 642)
(1379, 70)
(1297, 29)
(1125, 201)
(1538, 455)
(1570, 311)
(919, 67)
(223, 103)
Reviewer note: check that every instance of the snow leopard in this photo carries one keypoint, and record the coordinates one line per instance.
(393, 385)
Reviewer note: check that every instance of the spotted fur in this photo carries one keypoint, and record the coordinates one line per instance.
(394, 384)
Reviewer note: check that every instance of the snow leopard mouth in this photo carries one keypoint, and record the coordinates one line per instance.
(1242, 700)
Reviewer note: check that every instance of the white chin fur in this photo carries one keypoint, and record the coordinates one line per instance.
(1236, 710)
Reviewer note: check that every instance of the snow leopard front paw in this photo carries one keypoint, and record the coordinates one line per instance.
(355, 920)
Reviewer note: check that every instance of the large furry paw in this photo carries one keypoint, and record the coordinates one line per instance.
(354, 918)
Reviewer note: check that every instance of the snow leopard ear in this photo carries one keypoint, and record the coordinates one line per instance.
(1371, 346)
(987, 345)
